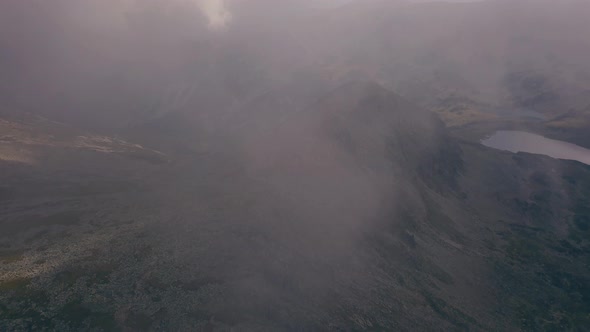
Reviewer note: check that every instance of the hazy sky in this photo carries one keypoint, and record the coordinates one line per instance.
(218, 12)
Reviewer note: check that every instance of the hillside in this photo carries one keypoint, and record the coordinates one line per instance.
(362, 214)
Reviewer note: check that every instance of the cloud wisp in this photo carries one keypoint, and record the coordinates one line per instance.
(217, 13)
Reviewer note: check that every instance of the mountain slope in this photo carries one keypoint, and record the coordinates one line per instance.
(357, 212)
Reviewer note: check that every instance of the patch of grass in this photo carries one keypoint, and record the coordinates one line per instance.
(15, 285)
(582, 222)
(26, 223)
(540, 290)
(525, 250)
(430, 269)
(449, 313)
(539, 213)
(145, 155)
(103, 188)
(139, 321)
(75, 312)
(25, 310)
(8, 257)
(104, 321)
(97, 273)
(441, 222)
(455, 117)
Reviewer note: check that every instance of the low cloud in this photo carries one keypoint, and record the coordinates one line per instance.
(217, 13)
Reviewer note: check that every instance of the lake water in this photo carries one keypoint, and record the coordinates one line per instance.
(520, 141)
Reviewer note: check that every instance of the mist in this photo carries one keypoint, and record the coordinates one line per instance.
(149, 52)
(291, 161)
